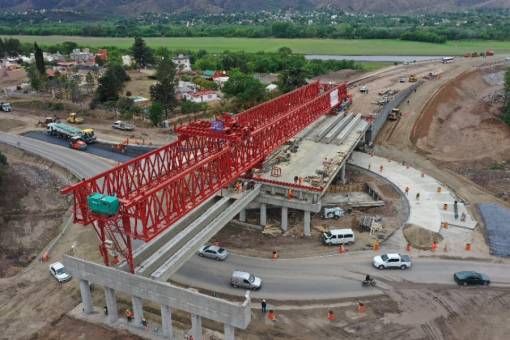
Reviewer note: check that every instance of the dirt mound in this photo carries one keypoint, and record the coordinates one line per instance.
(419, 237)
(31, 210)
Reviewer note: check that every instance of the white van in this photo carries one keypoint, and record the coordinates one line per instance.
(338, 236)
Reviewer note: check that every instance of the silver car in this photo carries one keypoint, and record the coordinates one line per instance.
(245, 280)
(213, 252)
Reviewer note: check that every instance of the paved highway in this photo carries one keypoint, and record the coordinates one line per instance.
(326, 277)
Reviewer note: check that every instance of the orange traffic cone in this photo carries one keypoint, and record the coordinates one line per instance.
(275, 255)
(341, 250)
(45, 257)
(361, 308)
(331, 316)
(271, 315)
(409, 248)
(468, 246)
(434, 246)
(376, 246)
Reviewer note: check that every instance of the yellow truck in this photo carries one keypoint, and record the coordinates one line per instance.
(412, 78)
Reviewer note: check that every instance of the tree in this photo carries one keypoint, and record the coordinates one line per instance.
(90, 82)
(68, 46)
(291, 78)
(141, 53)
(163, 91)
(39, 59)
(155, 113)
(247, 90)
(111, 83)
(506, 105)
(36, 80)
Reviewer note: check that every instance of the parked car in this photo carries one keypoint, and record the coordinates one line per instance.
(335, 212)
(57, 270)
(245, 280)
(471, 278)
(392, 261)
(120, 125)
(338, 236)
(5, 107)
(213, 252)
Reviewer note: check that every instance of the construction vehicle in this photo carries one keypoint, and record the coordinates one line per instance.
(120, 125)
(61, 130)
(74, 119)
(363, 89)
(335, 212)
(412, 78)
(6, 107)
(47, 121)
(77, 144)
(394, 114)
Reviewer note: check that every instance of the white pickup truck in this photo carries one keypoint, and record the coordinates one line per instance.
(392, 261)
(120, 125)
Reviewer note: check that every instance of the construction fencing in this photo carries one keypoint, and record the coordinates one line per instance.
(382, 116)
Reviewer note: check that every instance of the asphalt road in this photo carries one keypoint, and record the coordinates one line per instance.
(327, 277)
(81, 164)
(99, 148)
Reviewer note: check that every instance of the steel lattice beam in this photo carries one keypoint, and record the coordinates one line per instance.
(157, 189)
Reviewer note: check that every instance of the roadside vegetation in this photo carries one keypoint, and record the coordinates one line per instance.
(333, 24)
(505, 115)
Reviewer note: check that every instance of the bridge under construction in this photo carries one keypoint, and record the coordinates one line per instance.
(152, 213)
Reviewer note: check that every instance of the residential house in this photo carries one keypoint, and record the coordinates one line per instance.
(82, 57)
(182, 63)
(185, 87)
(102, 54)
(203, 96)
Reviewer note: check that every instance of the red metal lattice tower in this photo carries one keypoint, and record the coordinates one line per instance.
(160, 187)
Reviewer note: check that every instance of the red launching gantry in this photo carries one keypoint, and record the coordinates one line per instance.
(156, 189)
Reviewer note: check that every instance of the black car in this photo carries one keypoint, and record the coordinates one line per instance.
(471, 278)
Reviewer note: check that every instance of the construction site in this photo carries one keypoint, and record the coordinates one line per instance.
(404, 157)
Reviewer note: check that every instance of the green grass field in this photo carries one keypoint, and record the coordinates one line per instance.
(306, 46)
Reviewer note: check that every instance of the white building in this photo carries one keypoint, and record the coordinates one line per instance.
(182, 63)
(80, 56)
(204, 96)
(126, 60)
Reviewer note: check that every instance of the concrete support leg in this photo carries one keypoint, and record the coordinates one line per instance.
(166, 317)
(196, 326)
(86, 298)
(242, 215)
(229, 332)
(307, 224)
(137, 311)
(342, 173)
(263, 214)
(285, 218)
(111, 304)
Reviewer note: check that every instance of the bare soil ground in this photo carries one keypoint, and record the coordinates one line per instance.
(461, 130)
(31, 210)
(251, 241)
(13, 78)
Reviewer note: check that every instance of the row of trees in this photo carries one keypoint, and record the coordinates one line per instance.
(10, 47)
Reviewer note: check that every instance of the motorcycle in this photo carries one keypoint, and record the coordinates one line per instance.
(368, 283)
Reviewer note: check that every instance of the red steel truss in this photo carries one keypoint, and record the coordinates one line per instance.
(158, 188)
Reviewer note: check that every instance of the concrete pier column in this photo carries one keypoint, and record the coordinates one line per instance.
(242, 215)
(111, 304)
(86, 298)
(166, 318)
(306, 223)
(263, 214)
(196, 326)
(285, 218)
(342, 173)
(229, 332)
(137, 310)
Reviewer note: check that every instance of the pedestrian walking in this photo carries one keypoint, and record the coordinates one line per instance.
(264, 306)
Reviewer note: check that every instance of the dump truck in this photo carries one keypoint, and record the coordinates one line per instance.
(120, 125)
(6, 107)
(65, 131)
(74, 119)
(412, 78)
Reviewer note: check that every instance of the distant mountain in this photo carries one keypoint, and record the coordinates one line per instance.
(134, 7)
